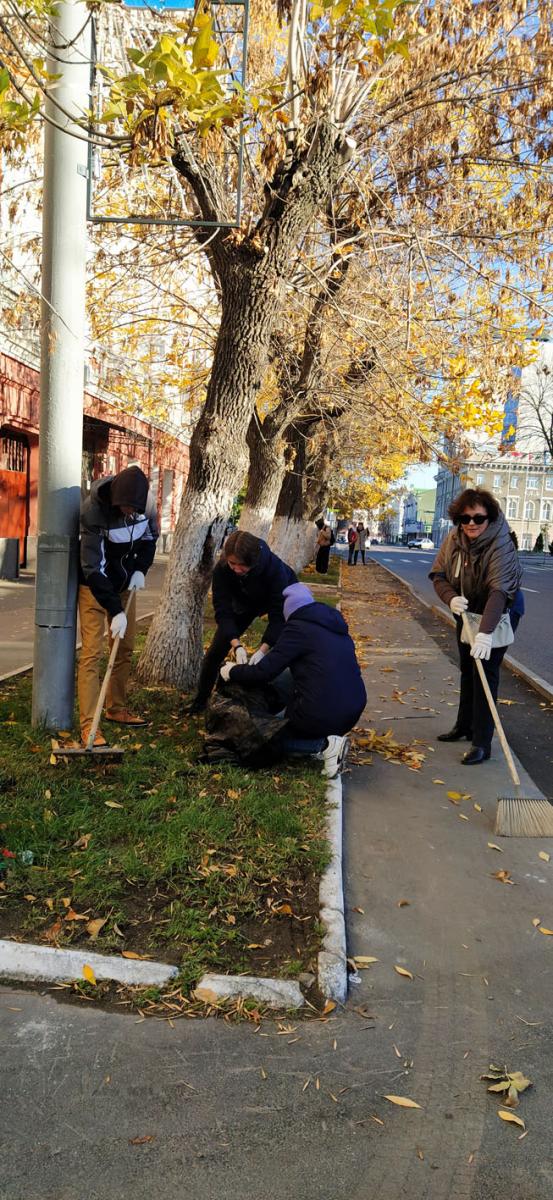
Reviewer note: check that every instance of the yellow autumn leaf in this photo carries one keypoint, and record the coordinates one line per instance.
(402, 1101)
(478, 807)
(363, 960)
(492, 846)
(53, 760)
(536, 921)
(93, 928)
(462, 817)
(133, 954)
(329, 1007)
(112, 804)
(507, 1115)
(455, 796)
(544, 855)
(548, 932)
(404, 971)
(89, 974)
(438, 781)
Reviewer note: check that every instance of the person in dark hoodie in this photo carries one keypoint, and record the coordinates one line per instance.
(328, 694)
(118, 540)
(248, 581)
(477, 569)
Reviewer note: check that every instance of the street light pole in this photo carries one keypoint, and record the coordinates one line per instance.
(62, 366)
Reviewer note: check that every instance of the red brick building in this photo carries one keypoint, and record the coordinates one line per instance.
(112, 439)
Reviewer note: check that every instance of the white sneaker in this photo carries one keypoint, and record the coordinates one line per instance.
(335, 756)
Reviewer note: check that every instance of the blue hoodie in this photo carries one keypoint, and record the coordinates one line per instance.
(329, 693)
(251, 595)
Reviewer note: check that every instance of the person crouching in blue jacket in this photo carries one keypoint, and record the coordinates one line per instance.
(248, 582)
(328, 694)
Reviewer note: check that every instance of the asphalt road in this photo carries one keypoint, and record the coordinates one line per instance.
(533, 645)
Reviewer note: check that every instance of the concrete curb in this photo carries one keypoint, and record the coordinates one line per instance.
(43, 964)
(530, 677)
(332, 964)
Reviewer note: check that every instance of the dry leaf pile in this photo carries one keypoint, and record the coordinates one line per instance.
(508, 1085)
(385, 744)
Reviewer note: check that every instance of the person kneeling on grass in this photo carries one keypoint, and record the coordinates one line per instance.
(327, 694)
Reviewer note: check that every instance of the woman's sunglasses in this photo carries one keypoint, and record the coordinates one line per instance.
(478, 519)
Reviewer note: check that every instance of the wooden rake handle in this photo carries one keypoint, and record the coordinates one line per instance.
(107, 677)
(491, 702)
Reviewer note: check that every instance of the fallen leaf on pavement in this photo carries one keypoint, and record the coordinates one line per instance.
(133, 954)
(88, 974)
(438, 781)
(141, 1141)
(462, 817)
(402, 1101)
(359, 910)
(403, 903)
(507, 1115)
(363, 960)
(503, 877)
(548, 932)
(454, 796)
(329, 1007)
(536, 921)
(544, 855)
(478, 807)
(492, 846)
(404, 971)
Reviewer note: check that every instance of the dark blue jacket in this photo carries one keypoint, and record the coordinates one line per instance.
(251, 595)
(329, 693)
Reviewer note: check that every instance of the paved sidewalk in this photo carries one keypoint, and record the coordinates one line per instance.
(299, 1111)
(17, 604)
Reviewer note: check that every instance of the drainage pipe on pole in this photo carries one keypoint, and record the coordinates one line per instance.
(64, 241)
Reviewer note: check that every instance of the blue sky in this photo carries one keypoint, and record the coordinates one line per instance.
(423, 476)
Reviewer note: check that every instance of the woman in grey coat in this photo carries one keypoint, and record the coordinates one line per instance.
(477, 569)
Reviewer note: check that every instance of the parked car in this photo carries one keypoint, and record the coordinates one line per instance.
(342, 538)
(421, 544)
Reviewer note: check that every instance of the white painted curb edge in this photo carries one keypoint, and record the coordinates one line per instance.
(332, 964)
(44, 964)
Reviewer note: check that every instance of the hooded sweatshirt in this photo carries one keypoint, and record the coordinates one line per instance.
(487, 571)
(329, 694)
(251, 595)
(113, 545)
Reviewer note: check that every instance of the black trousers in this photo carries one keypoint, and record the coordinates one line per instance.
(356, 554)
(474, 716)
(351, 552)
(215, 655)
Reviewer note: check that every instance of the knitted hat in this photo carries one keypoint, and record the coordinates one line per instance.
(297, 595)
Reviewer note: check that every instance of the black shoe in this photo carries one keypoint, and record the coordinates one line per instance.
(475, 755)
(454, 735)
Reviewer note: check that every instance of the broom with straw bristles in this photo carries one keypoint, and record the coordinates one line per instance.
(516, 816)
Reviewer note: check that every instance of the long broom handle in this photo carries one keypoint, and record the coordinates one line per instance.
(107, 677)
(496, 720)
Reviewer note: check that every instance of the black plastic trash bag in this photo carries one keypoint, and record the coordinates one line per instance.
(242, 726)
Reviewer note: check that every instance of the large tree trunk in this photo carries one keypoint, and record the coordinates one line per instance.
(251, 273)
(303, 494)
(268, 458)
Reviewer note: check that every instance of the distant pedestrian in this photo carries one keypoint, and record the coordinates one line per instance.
(118, 541)
(325, 539)
(477, 568)
(352, 542)
(360, 543)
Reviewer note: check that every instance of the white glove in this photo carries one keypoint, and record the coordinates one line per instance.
(241, 656)
(256, 657)
(137, 581)
(225, 671)
(458, 604)
(482, 647)
(118, 625)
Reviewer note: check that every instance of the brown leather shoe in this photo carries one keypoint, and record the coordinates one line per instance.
(122, 716)
(99, 739)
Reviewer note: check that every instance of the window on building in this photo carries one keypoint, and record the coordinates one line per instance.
(526, 542)
(512, 509)
(529, 508)
(532, 483)
(497, 481)
(479, 480)
(546, 510)
(513, 483)
(549, 483)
